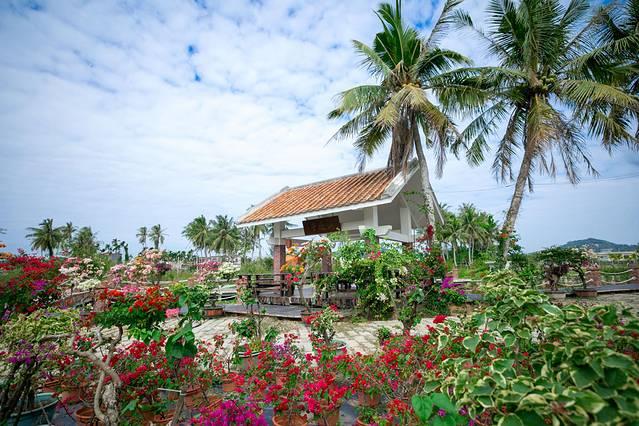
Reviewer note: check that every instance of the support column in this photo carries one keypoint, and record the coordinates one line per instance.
(635, 273)
(327, 263)
(279, 257)
(593, 276)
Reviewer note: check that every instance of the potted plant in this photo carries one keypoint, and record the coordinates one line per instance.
(232, 412)
(322, 326)
(557, 262)
(304, 260)
(207, 275)
(250, 337)
(323, 396)
(364, 372)
(29, 342)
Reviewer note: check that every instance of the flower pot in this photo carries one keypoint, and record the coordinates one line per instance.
(85, 416)
(213, 311)
(464, 309)
(556, 295)
(249, 361)
(286, 420)
(42, 414)
(586, 292)
(162, 419)
(228, 385)
(359, 422)
(366, 400)
(328, 418)
(193, 396)
(51, 386)
(212, 404)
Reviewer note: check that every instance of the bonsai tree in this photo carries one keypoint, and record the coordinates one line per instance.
(250, 335)
(28, 342)
(306, 259)
(558, 261)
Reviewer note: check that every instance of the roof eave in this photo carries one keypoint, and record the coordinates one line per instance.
(392, 190)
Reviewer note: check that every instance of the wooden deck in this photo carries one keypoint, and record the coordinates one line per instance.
(289, 312)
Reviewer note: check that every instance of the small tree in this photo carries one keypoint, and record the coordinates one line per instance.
(558, 261)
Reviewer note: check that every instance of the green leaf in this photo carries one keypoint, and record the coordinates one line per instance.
(607, 415)
(615, 377)
(442, 401)
(583, 376)
(510, 420)
(617, 361)
(530, 418)
(423, 407)
(590, 401)
(551, 309)
(482, 388)
(131, 405)
(471, 343)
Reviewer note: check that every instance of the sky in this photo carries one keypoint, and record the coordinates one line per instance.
(121, 114)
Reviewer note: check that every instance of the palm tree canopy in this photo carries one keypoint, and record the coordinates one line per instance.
(85, 243)
(142, 235)
(45, 237)
(157, 235)
(199, 232)
(226, 236)
(405, 65)
(541, 88)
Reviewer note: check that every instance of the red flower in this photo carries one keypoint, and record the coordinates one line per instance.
(439, 319)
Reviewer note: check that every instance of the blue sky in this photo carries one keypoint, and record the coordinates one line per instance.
(119, 114)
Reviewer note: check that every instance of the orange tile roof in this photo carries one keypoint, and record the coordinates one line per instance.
(329, 194)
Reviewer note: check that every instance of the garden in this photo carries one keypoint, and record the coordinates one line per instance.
(131, 355)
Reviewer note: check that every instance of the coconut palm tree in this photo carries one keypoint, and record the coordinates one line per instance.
(451, 232)
(540, 87)
(616, 29)
(199, 232)
(226, 236)
(142, 236)
(397, 106)
(156, 235)
(45, 237)
(85, 243)
(471, 228)
(67, 231)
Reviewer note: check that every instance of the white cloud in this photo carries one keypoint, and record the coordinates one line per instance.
(103, 122)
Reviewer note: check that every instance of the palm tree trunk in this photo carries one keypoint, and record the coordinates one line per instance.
(518, 195)
(454, 255)
(428, 189)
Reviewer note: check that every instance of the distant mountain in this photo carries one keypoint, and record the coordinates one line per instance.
(600, 245)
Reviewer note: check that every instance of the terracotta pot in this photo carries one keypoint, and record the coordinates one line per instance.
(162, 419)
(51, 385)
(249, 361)
(359, 422)
(70, 396)
(293, 420)
(193, 396)
(213, 311)
(329, 418)
(212, 404)
(85, 416)
(228, 385)
(365, 400)
(586, 292)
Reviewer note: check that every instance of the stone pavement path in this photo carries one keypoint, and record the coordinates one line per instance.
(359, 337)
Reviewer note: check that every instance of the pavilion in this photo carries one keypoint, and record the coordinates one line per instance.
(387, 202)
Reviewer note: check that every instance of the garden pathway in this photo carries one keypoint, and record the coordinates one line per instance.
(358, 336)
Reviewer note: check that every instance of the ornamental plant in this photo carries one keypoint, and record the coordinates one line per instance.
(322, 325)
(322, 394)
(82, 274)
(306, 259)
(231, 412)
(29, 342)
(28, 283)
(558, 261)
(526, 361)
(141, 310)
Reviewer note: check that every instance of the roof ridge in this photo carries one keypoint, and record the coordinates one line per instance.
(320, 182)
